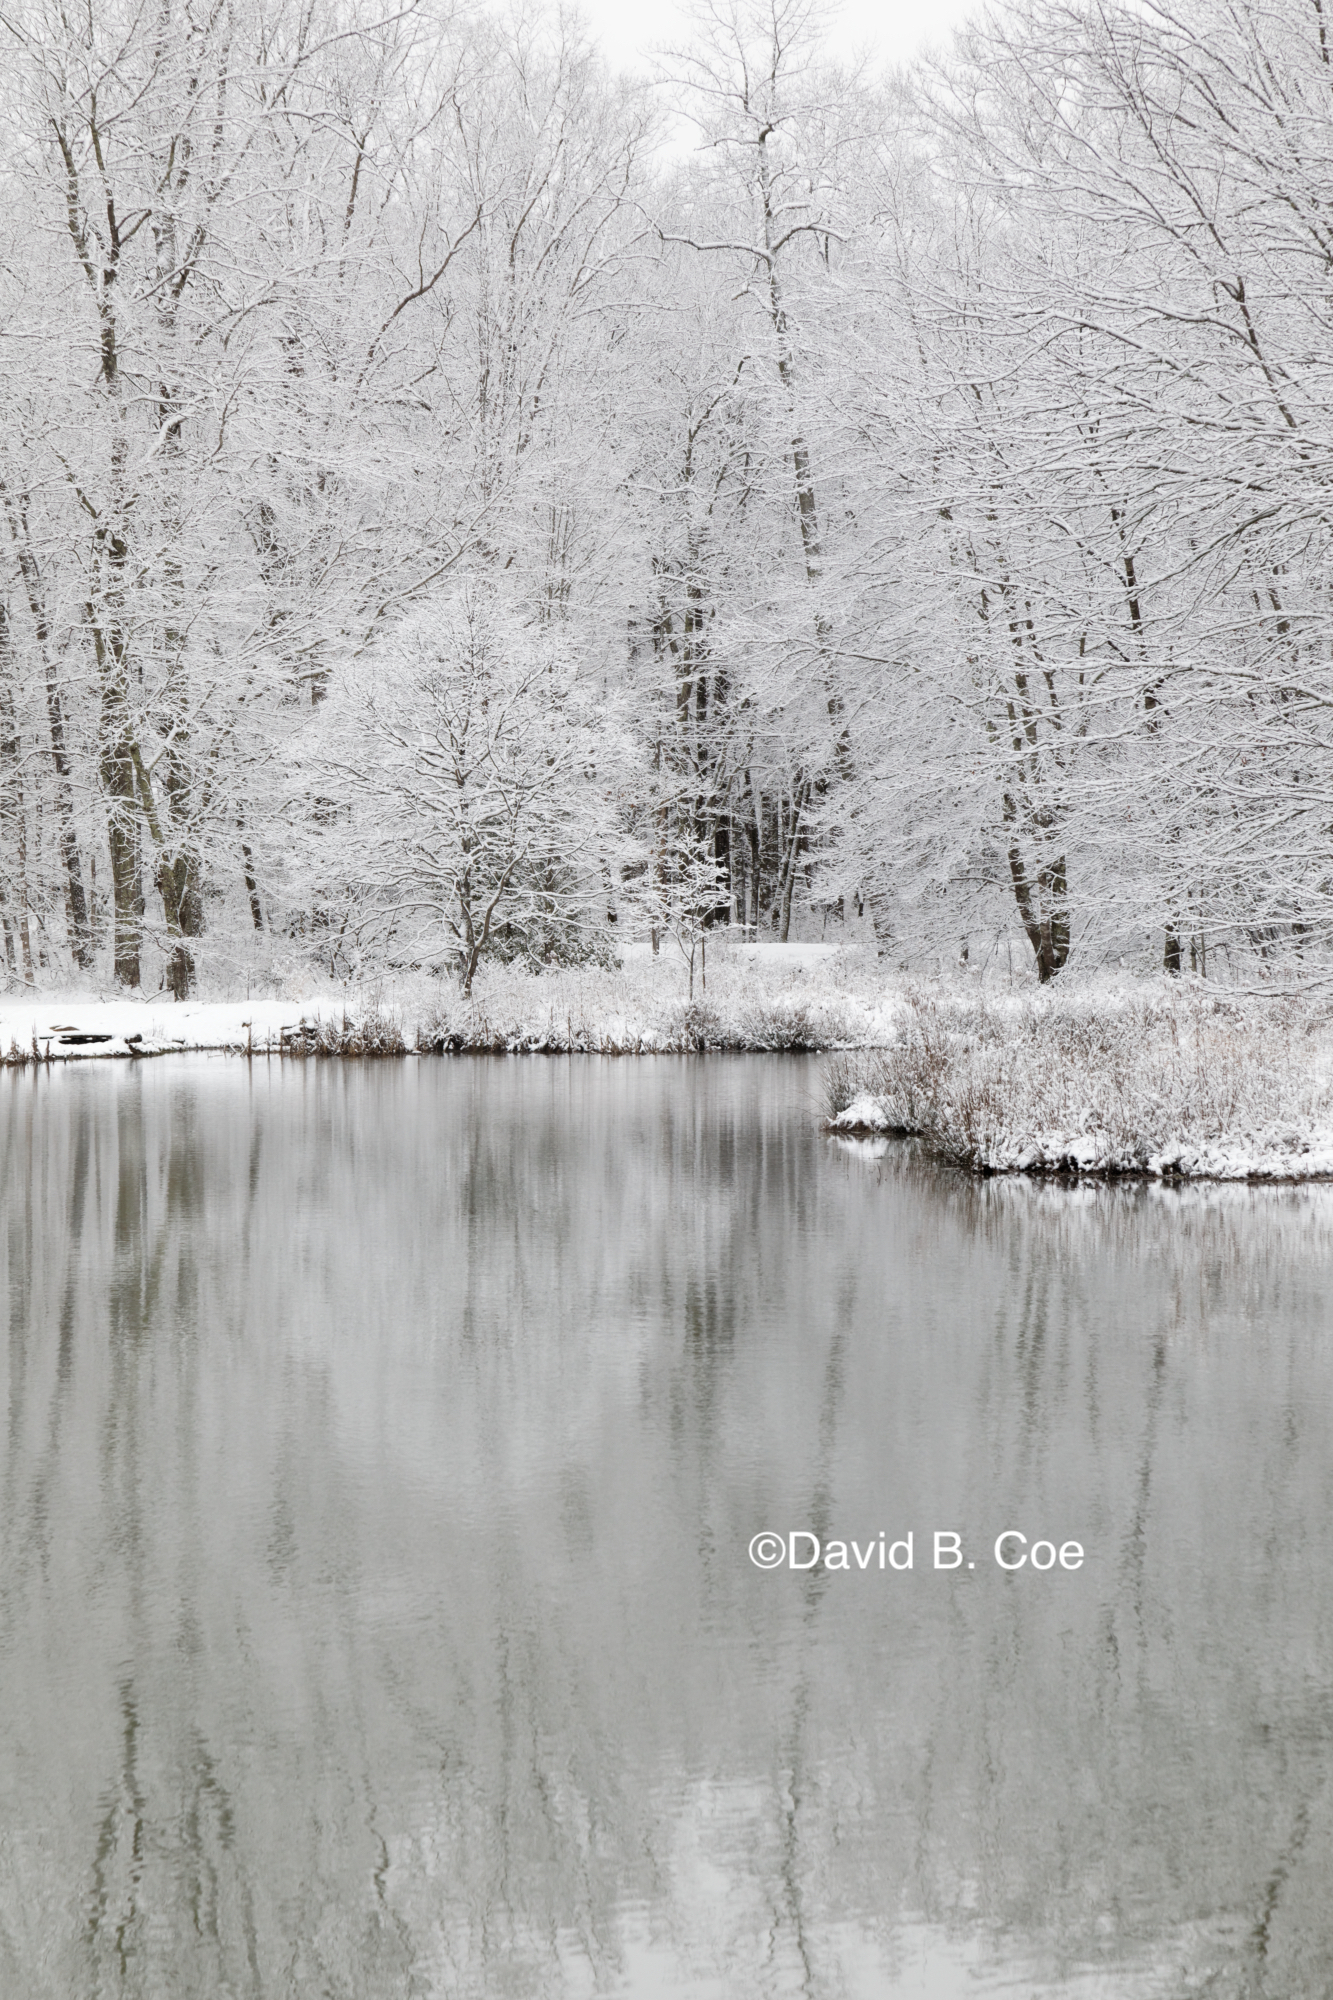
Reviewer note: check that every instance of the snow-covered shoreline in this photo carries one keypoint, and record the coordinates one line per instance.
(46, 1028)
(1162, 1081)
(755, 1000)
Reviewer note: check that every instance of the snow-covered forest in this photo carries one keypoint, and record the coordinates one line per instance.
(458, 503)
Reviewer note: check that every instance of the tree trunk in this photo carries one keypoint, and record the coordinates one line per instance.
(80, 930)
(754, 835)
(120, 762)
(1044, 910)
(179, 882)
(117, 769)
(107, 609)
(13, 805)
(252, 887)
(792, 846)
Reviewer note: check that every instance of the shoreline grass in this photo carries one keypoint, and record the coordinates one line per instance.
(1177, 1083)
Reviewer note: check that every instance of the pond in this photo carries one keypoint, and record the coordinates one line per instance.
(383, 1451)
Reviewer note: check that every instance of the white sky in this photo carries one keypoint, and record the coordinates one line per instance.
(893, 29)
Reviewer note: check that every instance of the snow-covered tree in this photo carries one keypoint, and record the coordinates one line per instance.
(480, 797)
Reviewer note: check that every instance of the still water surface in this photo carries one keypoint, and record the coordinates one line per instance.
(383, 1444)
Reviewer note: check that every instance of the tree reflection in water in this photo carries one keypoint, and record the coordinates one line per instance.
(383, 1445)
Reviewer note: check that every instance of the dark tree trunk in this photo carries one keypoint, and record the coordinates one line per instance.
(252, 888)
(126, 876)
(1044, 909)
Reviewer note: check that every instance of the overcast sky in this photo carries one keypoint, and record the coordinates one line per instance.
(630, 29)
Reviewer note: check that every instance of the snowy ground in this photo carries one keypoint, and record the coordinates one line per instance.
(60, 1030)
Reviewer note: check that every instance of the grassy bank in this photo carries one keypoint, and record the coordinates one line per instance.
(758, 1002)
(1174, 1082)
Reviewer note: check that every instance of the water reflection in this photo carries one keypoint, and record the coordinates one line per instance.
(382, 1448)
